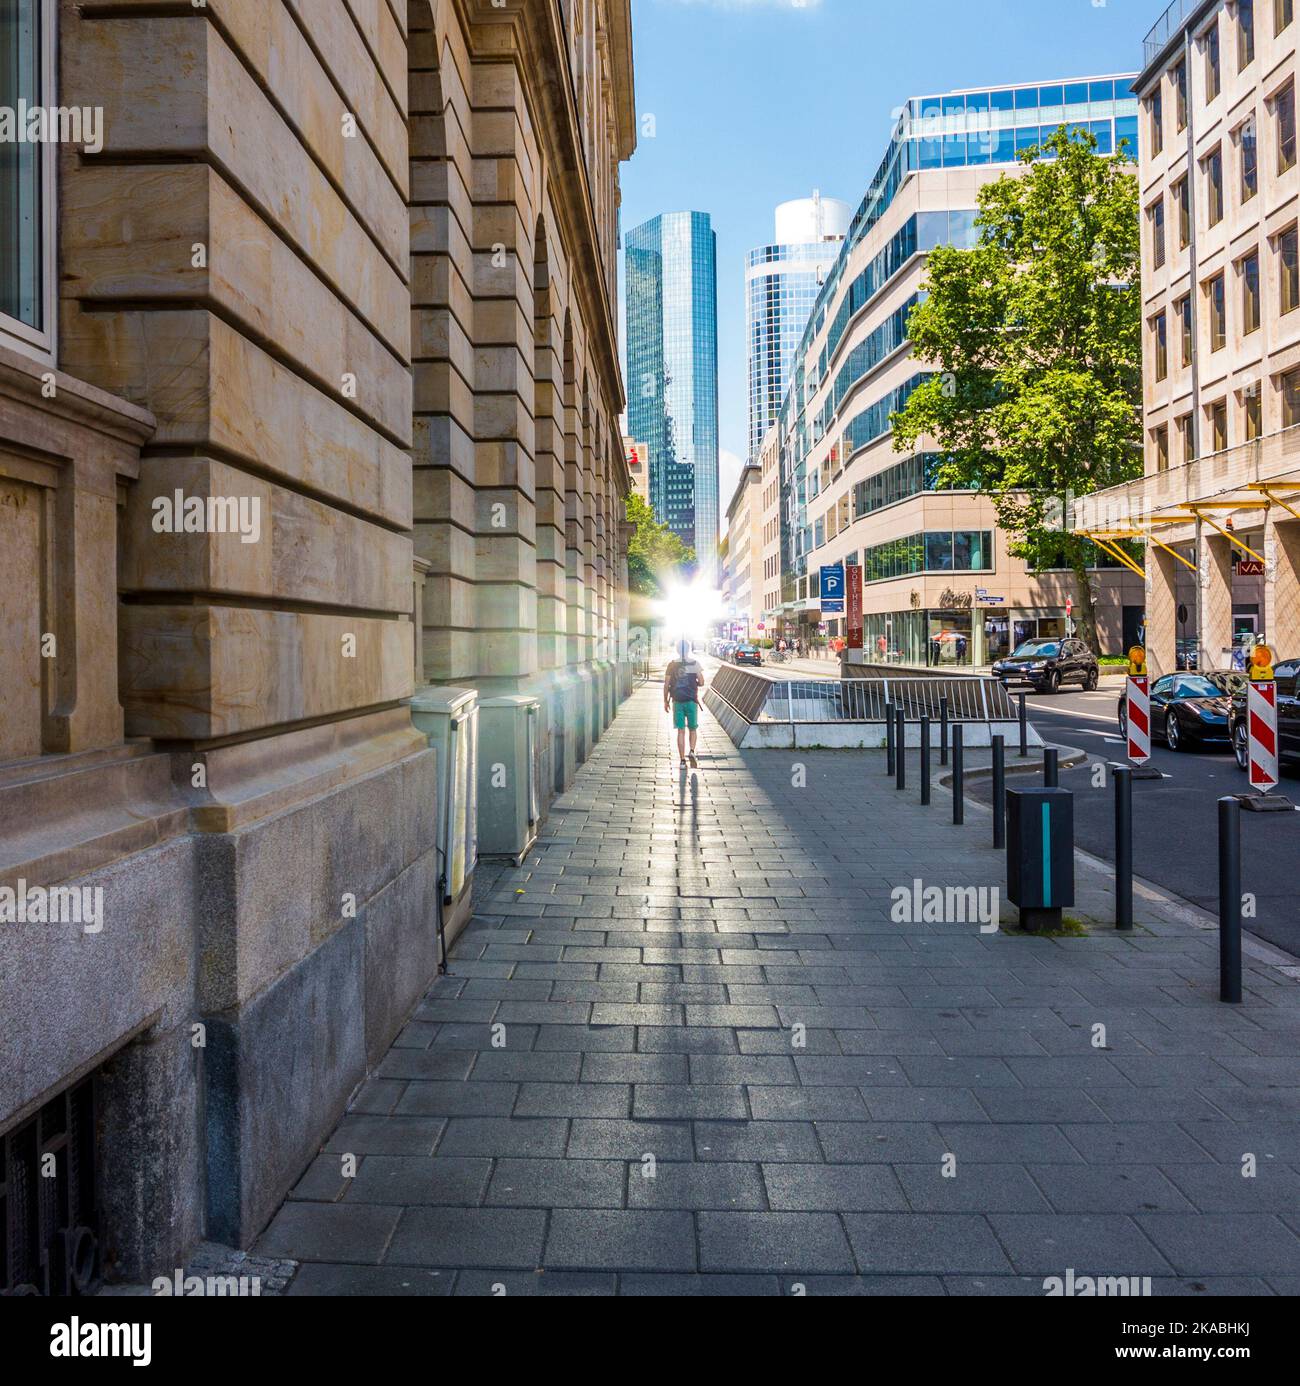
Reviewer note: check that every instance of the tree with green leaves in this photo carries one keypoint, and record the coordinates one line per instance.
(655, 553)
(1035, 337)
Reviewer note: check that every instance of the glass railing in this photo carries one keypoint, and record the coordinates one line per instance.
(1169, 24)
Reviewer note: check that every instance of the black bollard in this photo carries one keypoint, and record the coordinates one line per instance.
(1123, 846)
(958, 776)
(999, 791)
(900, 749)
(889, 738)
(1051, 768)
(943, 730)
(925, 759)
(1024, 729)
(1230, 900)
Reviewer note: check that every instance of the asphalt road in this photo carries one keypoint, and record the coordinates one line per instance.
(1175, 820)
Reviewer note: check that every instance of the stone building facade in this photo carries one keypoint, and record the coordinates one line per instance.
(1220, 195)
(324, 409)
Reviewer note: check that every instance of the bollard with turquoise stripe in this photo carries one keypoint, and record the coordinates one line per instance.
(1040, 856)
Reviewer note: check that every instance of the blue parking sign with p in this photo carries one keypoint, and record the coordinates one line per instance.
(833, 590)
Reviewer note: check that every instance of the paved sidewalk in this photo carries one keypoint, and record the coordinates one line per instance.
(686, 1049)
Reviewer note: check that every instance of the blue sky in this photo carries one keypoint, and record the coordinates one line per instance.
(754, 102)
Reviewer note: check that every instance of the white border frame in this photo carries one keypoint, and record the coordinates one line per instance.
(43, 343)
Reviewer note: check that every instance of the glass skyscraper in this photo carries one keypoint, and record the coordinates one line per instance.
(672, 372)
(782, 282)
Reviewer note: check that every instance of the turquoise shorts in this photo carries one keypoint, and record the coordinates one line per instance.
(686, 715)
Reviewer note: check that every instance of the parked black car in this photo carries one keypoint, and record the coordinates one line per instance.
(1047, 664)
(1288, 715)
(747, 654)
(1187, 709)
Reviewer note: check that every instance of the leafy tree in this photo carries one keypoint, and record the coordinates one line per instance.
(1036, 337)
(655, 552)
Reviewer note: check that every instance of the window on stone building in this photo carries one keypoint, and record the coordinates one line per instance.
(1156, 215)
(1186, 439)
(1252, 412)
(1184, 310)
(1160, 343)
(1289, 388)
(1288, 263)
(1180, 96)
(1247, 145)
(1284, 108)
(1283, 14)
(1249, 269)
(1217, 415)
(1245, 33)
(1213, 73)
(1160, 446)
(1182, 205)
(1213, 166)
(1217, 304)
(27, 170)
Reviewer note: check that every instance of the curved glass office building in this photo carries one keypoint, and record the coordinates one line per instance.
(782, 281)
(940, 583)
(672, 372)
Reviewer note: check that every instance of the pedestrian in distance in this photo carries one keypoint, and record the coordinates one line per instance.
(683, 680)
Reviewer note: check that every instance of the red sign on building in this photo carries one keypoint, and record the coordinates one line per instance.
(853, 612)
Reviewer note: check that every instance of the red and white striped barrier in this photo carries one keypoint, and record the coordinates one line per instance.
(1139, 719)
(1261, 718)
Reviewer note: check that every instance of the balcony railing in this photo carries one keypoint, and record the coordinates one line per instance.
(1170, 23)
(1220, 475)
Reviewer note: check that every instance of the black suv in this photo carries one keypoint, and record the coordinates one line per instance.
(1047, 664)
(1288, 716)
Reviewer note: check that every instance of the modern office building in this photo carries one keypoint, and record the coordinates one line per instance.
(782, 281)
(941, 586)
(1220, 197)
(672, 371)
(251, 501)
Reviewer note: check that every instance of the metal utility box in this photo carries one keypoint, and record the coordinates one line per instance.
(509, 775)
(449, 717)
(1040, 855)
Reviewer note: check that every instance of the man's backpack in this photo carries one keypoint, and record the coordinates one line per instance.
(686, 681)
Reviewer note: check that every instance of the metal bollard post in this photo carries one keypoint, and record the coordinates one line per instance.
(1123, 846)
(943, 730)
(1230, 900)
(889, 738)
(999, 791)
(1051, 768)
(958, 776)
(925, 759)
(900, 749)
(1024, 729)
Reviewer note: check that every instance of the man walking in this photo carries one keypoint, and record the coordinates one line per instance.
(682, 683)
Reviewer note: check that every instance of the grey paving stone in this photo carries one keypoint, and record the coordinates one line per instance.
(635, 1068)
(922, 1104)
(863, 1286)
(535, 1136)
(371, 1135)
(1222, 1188)
(1110, 1188)
(833, 1188)
(362, 1281)
(631, 1239)
(756, 1140)
(740, 1242)
(608, 1139)
(1224, 1243)
(695, 1286)
(651, 1101)
(329, 1232)
(880, 1142)
(557, 1183)
(573, 1099)
(695, 1186)
(766, 1069)
(972, 1188)
(506, 1237)
(1088, 1243)
(521, 1066)
(804, 1104)
(505, 1284)
(933, 1243)
(457, 1099)
(1134, 1142)
(408, 1179)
